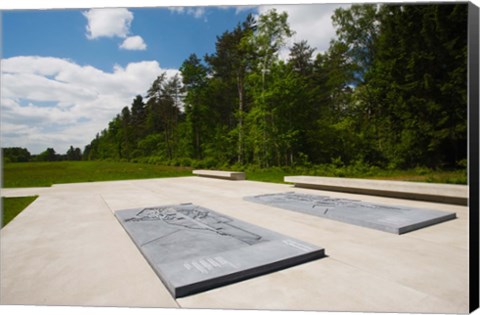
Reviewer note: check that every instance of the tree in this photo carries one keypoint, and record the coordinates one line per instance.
(231, 62)
(16, 154)
(125, 140)
(49, 155)
(301, 58)
(304, 110)
(194, 78)
(155, 96)
(358, 28)
(73, 154)
(410, 81)
(163, 109)
(420, 75)
(139, 114)
(269, 37)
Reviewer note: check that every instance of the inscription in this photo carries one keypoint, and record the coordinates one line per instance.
(207, 264)
(297, 245)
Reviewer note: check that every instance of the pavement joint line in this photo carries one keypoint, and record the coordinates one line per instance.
(106, 204)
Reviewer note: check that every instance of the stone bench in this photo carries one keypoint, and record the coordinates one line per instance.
(220, 174)
(444, 193)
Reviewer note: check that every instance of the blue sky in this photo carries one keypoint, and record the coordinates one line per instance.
(170, 36)
(67, 72)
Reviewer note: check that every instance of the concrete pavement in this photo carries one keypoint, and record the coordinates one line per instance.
(67, 248)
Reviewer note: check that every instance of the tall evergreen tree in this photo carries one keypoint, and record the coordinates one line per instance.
(163, 110)
(301, 58)
(194, 77)
(139, 116)
(231, 62)
(420, 74)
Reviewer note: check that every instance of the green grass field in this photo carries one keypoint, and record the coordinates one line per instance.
(39, 174)
(13, 206)
(276, 175)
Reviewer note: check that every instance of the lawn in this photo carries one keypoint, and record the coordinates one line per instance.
(44, 174)
(13, 206)
(276, 175)
(38, 174)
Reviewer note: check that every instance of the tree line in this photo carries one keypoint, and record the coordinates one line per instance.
(17, 154)
(390, 91)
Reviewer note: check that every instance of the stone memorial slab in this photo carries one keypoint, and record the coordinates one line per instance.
(193, 249)
(393, 219)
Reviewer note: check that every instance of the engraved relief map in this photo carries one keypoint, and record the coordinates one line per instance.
(197, 218)
(192, 248)
(388, 218)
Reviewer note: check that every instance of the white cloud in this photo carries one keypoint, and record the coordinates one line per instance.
(133, 43)
(196, 12)
(108, 23)
(311, 22)
(113, 23)
(242, 8)
(179, 10)
(52, 102)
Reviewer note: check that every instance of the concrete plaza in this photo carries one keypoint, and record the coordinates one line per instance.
(67, 248)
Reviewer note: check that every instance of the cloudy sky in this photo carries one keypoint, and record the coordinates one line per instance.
(65, 73)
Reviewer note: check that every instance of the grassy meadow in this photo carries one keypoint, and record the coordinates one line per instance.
(44, 174)
(13, 206)
(275, 175)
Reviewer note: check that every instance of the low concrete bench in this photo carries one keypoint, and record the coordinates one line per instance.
(444, 193)
(220, 174)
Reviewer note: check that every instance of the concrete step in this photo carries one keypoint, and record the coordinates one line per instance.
(443, 193)
(220, 174)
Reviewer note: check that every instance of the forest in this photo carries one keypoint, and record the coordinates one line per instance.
(390, 91)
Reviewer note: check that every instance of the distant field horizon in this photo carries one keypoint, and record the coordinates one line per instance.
(45, 174)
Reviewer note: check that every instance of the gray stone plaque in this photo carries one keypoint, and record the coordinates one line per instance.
(193, 249)
(393, 219)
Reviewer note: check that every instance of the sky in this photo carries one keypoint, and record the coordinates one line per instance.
(65, 73)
